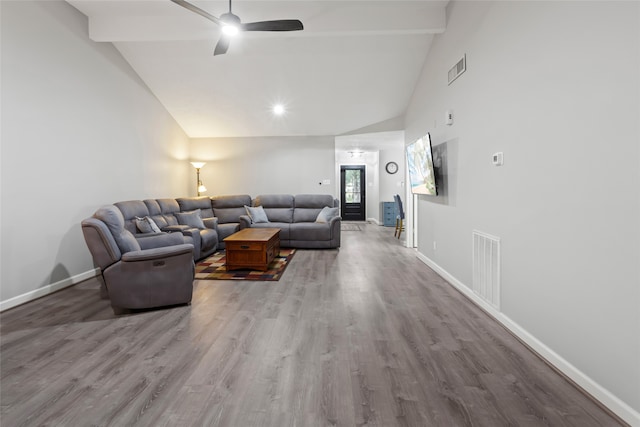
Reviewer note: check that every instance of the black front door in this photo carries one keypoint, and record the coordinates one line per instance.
(352, 193)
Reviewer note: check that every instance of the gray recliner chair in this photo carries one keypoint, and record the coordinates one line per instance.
(139, 273)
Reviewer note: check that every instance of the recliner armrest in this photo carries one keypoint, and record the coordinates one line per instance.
(171, 228)
(245, 221)
(157, 253)
(334, 225)
(211, 223)
(334, 219)
(193, 233)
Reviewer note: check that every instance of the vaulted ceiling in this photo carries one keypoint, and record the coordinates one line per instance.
(355, 63)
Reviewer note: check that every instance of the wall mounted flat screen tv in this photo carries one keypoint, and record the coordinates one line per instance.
(420, 165)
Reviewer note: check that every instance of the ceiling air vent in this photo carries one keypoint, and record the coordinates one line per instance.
(458, 69)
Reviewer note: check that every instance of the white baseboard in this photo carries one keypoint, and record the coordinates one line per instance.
(46, 290)
(374, 221)
(598, 392)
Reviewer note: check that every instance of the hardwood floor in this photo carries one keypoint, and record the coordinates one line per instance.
(362, 336)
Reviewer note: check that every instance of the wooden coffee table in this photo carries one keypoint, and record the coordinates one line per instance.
(252, 248)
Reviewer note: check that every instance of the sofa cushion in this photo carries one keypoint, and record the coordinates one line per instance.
(230, 201)
(155, 213)
(317, 201)
(278, 207)
(326, 214)
(274, 201)
(229, 215)
(283, 226)
(305, 214)
(203, 203)
(192, 219)
(256, 214)
(308, 206)
(131, 209)
(279, 214)
(229, 208)
(168, 208)
(112, 217)
(312, 231)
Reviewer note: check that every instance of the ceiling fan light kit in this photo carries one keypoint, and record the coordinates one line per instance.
(230, 30)
(230, 24)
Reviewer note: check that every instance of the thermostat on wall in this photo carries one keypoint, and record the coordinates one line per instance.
(497, 159)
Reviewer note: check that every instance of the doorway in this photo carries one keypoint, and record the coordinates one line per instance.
(352, 193)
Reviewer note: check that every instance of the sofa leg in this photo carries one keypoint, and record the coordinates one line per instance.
(118, 310)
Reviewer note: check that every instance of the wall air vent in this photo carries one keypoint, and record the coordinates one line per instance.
(486, 267)
(459, 68)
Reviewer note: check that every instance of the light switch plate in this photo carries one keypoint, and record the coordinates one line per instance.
(448, 120)
(498, 159)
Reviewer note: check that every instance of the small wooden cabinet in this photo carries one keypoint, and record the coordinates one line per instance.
(252, 248)
(388, 213)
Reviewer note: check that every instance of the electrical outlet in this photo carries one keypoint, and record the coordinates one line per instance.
(435, 247)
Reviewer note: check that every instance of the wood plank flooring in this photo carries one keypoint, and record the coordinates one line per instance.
(366, 335)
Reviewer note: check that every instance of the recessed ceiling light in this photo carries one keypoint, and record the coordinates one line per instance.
(278, 109)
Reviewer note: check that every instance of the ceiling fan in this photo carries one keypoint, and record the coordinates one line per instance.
(230, 25)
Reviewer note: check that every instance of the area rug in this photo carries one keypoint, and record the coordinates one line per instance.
(350, 227)
(213, 268)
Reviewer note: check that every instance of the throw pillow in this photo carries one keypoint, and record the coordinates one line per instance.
(326, 214)
(154, 226)
(147, 225)
(143, 225)
(256, 214)
(192, 219)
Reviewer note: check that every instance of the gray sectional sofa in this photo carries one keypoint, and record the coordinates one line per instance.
(191, 216)
(206, 221)
(297, 217)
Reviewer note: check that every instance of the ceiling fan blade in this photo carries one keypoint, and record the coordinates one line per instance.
(197, 10)
(222, 46)
(279, 25)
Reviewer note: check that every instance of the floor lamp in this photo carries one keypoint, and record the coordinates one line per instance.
(198, 165)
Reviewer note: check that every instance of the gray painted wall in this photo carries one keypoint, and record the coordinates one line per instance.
(556, 87)
(267, 165)
(79, 129)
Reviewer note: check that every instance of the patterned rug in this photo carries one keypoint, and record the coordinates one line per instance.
(213, 268)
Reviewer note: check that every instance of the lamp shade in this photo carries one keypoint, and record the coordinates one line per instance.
(198, 165)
